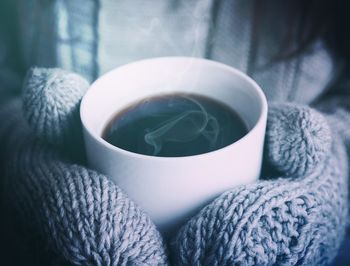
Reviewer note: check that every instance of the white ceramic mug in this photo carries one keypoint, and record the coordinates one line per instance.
(171, 189)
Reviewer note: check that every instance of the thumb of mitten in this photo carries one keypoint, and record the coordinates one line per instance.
(51, 99)
(298, 138)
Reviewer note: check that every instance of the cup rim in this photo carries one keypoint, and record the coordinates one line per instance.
(240, 74)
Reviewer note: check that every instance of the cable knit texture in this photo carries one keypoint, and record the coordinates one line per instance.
(297, 219)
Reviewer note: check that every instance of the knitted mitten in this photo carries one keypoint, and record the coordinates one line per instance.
(298, 219)
(78, 212)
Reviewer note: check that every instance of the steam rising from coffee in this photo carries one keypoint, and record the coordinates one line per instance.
(190, 121)
(184, 127)
(175, 125)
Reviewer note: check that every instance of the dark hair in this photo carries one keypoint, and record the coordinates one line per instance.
(312, 20)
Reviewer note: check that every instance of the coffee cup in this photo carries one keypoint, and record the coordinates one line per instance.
(172, 189)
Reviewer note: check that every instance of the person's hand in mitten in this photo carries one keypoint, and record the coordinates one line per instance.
(80, 214)
(296, 219)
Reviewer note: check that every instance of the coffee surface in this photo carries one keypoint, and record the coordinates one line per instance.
(175, 125)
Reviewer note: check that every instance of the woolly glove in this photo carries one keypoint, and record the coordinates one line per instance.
(297, 219)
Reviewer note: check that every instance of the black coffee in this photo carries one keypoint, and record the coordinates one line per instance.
(175, 125)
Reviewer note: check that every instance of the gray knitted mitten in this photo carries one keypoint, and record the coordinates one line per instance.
(299, 218)
(79, 213)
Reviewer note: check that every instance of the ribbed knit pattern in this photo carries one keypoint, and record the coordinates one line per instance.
(297, 219)
(82, 215)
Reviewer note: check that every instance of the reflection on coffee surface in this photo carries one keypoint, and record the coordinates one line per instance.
(175, 125)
